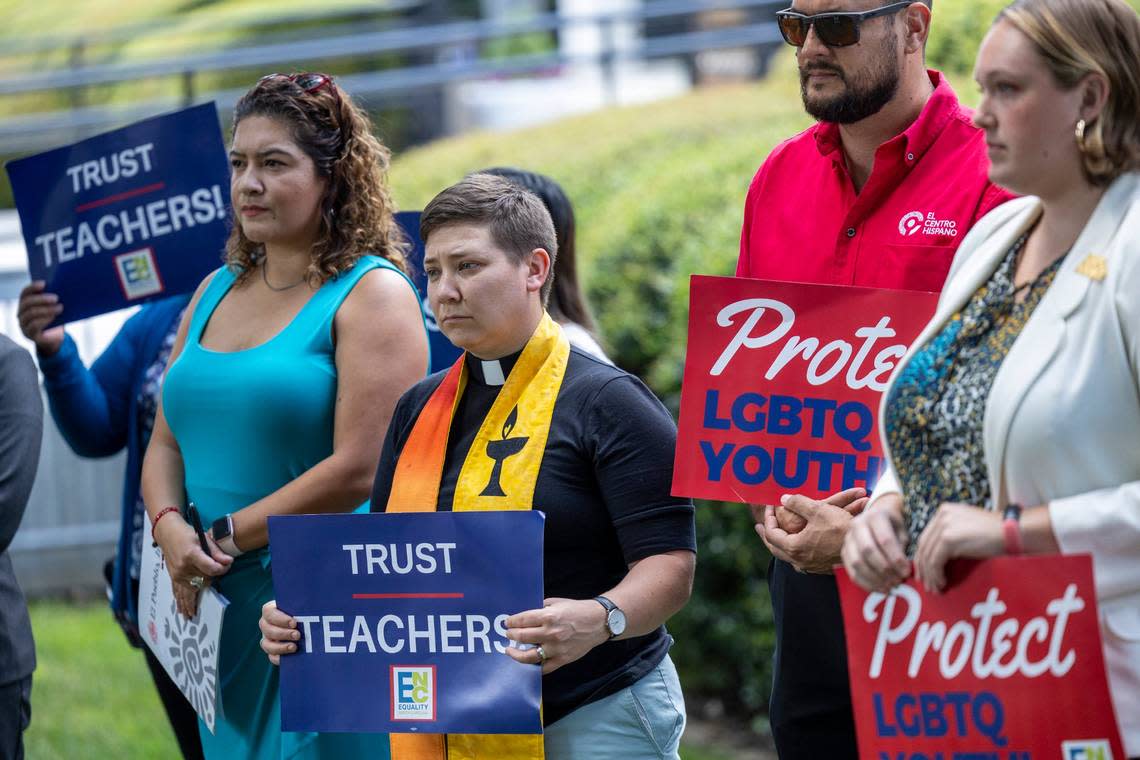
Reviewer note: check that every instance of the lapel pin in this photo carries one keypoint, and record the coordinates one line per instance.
(1094, 267)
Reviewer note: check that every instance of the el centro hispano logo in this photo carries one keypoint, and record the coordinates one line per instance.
(413, 692)
(928, 224)
(911, 223)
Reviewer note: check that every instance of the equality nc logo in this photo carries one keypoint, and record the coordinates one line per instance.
(413, 692)
(138, 274)
(911, 223)
(1087, 749)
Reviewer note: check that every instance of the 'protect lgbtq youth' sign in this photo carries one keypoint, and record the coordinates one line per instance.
(127, 216)
(782, 384)
(402, 621)
(1006, 664)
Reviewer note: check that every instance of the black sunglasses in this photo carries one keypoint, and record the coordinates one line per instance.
(833, 29)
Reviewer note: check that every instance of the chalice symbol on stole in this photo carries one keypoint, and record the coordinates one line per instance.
(501, 451)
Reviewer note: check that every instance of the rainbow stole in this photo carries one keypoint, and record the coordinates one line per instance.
(500, 472)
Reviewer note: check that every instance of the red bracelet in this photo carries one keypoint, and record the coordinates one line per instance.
(160, 515)
(1011, 529)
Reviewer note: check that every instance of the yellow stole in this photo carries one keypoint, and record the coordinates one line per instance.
(499, 473)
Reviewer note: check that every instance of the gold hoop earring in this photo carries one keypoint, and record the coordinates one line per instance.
(1079, 133)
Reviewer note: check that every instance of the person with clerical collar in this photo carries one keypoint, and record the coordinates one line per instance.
(542, 425)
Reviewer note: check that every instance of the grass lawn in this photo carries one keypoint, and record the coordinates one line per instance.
(92, 696)
(91, 693)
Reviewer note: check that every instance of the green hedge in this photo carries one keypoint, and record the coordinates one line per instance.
(957, 31)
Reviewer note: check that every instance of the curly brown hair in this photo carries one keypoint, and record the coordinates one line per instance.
(357, 212)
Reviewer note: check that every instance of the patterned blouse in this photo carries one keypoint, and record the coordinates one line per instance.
(937, 405)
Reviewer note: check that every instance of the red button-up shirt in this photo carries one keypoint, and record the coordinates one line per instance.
(804, 222)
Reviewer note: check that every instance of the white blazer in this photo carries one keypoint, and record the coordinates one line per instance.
(1062, 422)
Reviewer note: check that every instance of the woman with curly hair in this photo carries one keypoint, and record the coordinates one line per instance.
(284, 374)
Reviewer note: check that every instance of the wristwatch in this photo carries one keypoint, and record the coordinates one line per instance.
(223, 533)
(615, 618)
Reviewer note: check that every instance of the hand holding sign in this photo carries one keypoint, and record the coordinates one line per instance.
(819, 527)
(36, 310)
(279, 634)
(566, 629)
(186, 561)
(956, 530)
(873, 550)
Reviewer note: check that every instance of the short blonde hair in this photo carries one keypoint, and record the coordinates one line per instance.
(1080, 37)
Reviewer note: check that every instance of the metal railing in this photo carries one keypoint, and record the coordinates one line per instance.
(125, 33)
(448, 47)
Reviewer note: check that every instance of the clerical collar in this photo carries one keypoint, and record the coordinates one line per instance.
(493, 372)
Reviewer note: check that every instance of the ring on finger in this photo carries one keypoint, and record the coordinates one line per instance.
(198, 582)
(541, 654)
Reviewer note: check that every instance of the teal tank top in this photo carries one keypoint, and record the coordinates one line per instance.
(248, 422)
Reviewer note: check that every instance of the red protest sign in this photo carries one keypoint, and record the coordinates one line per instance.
(782, 383)
(1006, 663)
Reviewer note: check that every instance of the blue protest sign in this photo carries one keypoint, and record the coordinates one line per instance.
(402, 621)
(128, 216)
(443, 352)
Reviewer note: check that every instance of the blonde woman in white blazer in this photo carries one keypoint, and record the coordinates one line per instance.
(1013, 423)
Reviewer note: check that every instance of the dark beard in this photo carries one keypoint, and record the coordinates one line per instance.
(856, 103)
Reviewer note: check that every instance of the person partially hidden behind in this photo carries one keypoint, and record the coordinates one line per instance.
(101, 410)
(837, 204)
(21, 427)
(589, 445)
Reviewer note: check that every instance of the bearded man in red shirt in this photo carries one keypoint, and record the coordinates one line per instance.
(879, 193)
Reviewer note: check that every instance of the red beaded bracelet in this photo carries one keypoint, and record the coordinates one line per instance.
(160, 515)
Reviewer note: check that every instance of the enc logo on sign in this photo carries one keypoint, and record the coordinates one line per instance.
(413, 692)
(911, 223)
(138, 274)
(1086, 749)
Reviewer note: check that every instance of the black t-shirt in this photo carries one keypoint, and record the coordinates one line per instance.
(604, 486)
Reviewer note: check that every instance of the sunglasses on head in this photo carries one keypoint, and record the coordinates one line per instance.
(837, 29)
(308, 81)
